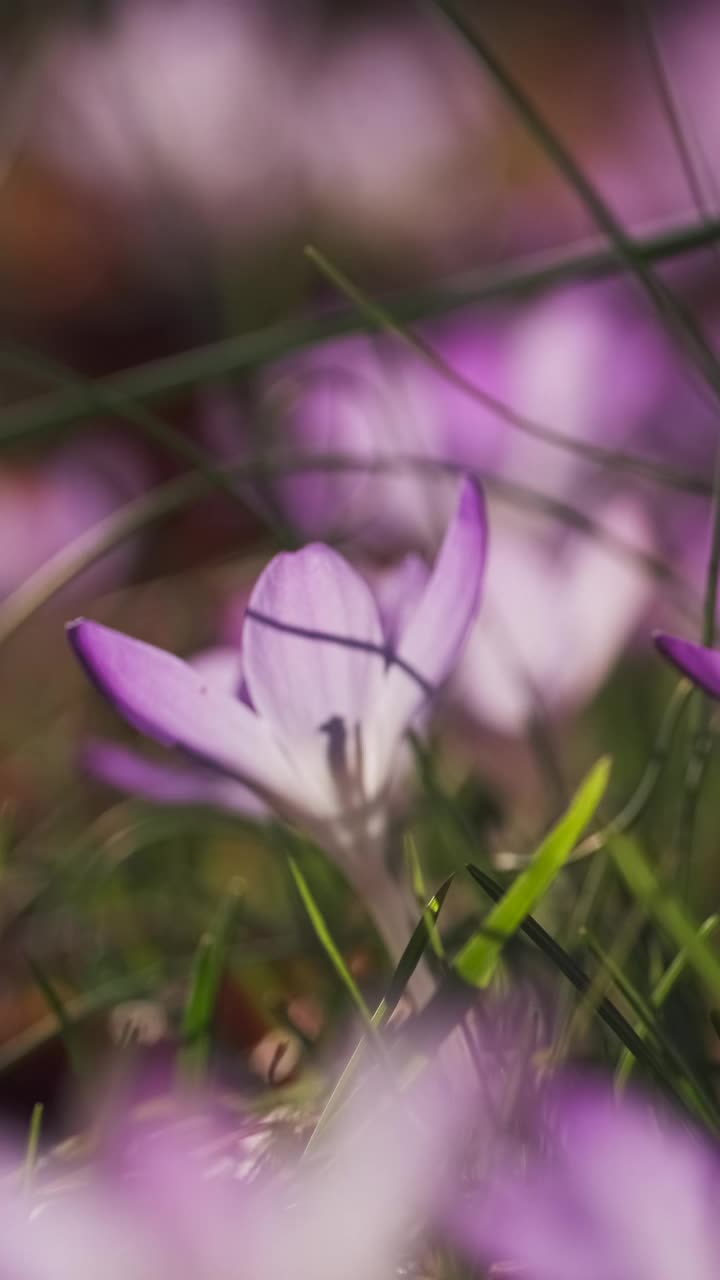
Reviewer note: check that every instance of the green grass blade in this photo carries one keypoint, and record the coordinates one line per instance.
(604, 1008)
(205, 979)
(246, 351)
(686, 1080)
(56, 1004)
(667, 911)
(659, 995)
(33, 1145)
(430, 911)
(328, 944)
(477, 960)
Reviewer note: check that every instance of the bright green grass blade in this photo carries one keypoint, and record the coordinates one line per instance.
(417, 877)
(33, 1144)
(327, 942)
(659, 995)
(477, 960)
(664, 907)
(206, 977)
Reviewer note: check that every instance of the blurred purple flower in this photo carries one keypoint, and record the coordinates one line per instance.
(183, 106)
(187, 1197)
(397, 127)
(584, 362)
(314, 723)
(45, 507)
(613, 1190)
(556, 614)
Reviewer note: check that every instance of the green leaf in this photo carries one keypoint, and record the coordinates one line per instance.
(478, 959)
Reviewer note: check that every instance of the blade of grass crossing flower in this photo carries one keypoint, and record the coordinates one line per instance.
(667, 911)
(328, 944)
(183, 491)
(659, 995)
(430, 912)
(410, 958)
(380, 318)
(217, 360)
(604, 1008)
(670, 308)
(477, 960)
(687, 1081)
(205, 979)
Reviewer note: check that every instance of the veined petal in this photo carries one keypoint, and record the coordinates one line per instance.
(699, 664)
(165, 698)
(169, 784)
(436, 629)
(313, 647)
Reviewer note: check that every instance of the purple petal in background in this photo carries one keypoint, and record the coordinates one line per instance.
(169, 784)
(699, 664)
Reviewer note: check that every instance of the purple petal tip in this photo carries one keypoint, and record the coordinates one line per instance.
(698, 663)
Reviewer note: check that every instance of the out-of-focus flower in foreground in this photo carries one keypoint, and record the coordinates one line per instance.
(615, 1191)
(201, 1200)
(330, 683)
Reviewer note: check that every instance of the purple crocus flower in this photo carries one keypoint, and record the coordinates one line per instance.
(699, 663)
(192, 1197)
(43, 508)
(614, 1191)
(313, 723)
(167, 107)
(557, 612)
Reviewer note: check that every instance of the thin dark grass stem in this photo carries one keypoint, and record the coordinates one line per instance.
(681, 324)
(701, 740)
(384, 320)
(605, 1009)
(229, 356)
(163, 501)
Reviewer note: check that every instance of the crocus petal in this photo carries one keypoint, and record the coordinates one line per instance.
(313, 646)
(169, 784)
(163, 697)
(699, 664)
(397, 591)
(437, 628)
(221, 667)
